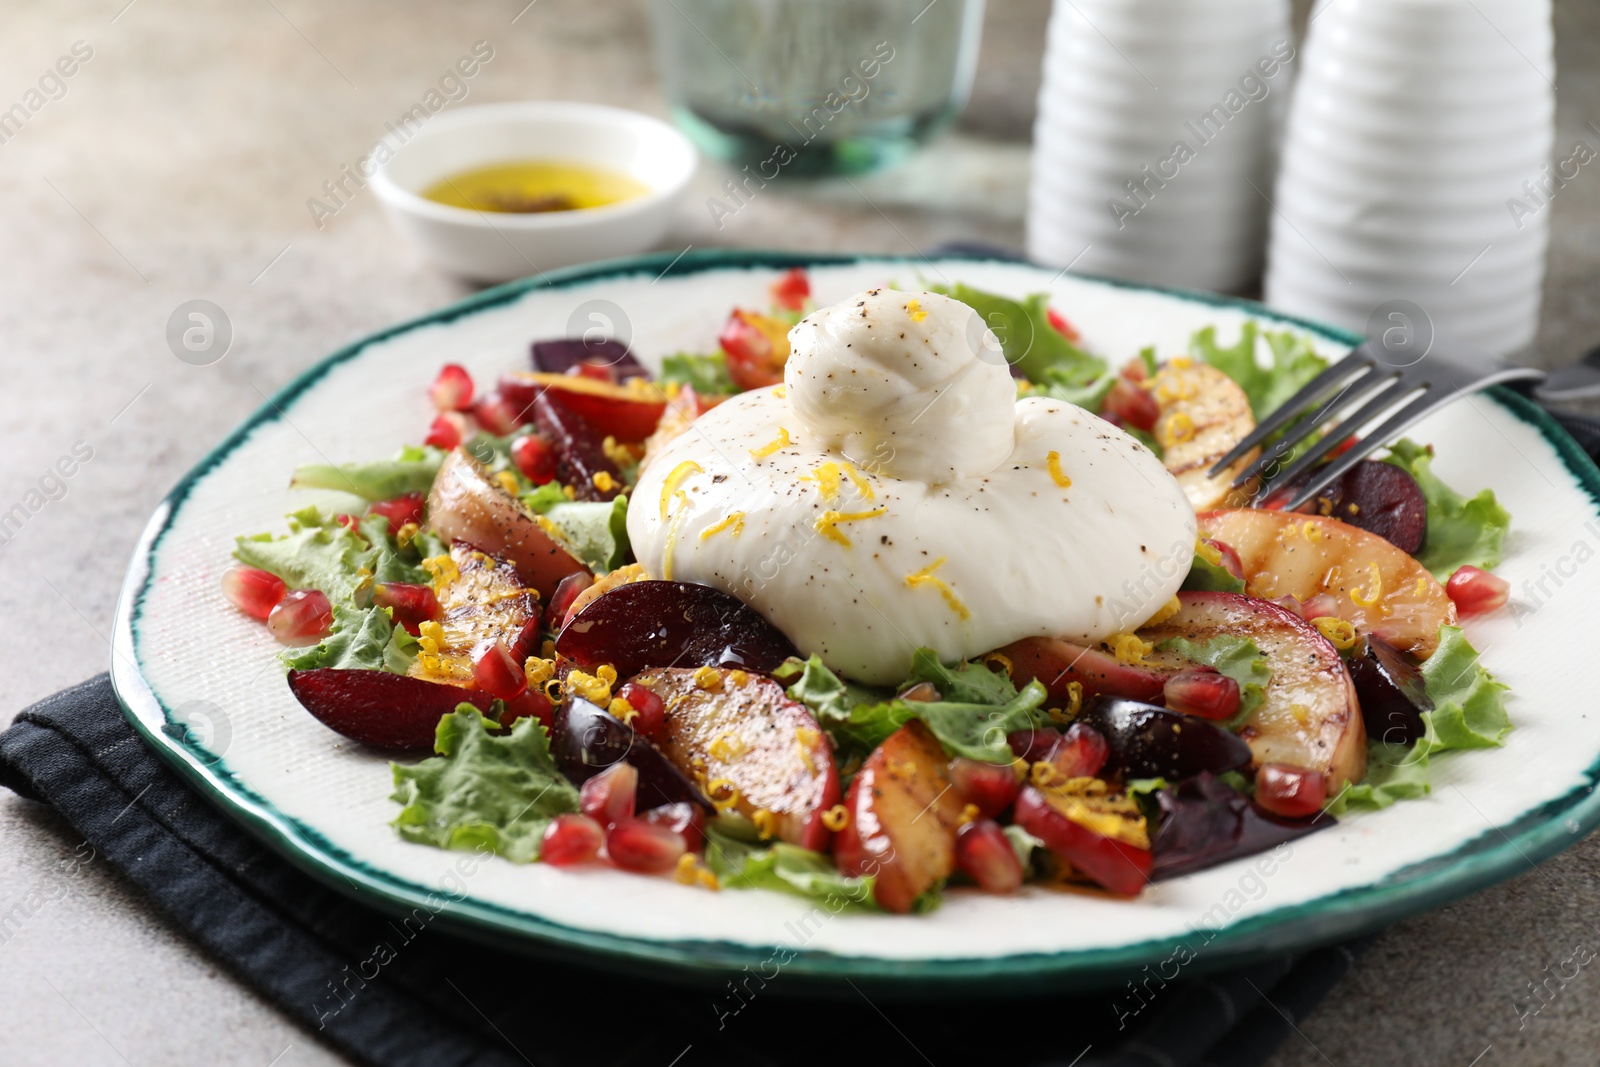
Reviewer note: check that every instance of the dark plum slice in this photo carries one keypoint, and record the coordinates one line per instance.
(1373, 495)
(1204, 822)
(1392, 694)
(393, 711)
(587, 739)
(580, 453)
(562, 354)
(671, 624)
(1151, 742)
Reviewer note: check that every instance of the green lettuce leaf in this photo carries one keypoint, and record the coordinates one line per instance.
(383, 480)
(362, 639)
(1294, 363)
(1057, 385)
(1461, 531)
(705, 374)
(317, 553)
(974, 730)
(789, 868)
(1037, 349)
(1468, 712)
(827, 695)
(1205, 575)
(545, 497)
(966, 683)
(1237, 657)
(498, 790)
(594, 531)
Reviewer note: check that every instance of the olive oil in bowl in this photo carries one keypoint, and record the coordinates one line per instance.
(527, 187)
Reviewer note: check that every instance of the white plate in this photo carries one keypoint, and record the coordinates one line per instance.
(324, 802)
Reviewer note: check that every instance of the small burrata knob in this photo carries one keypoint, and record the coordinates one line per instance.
(908, 385)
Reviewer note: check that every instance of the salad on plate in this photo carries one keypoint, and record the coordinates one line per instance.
(881, 600)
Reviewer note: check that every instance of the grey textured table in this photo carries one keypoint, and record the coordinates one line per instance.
(177, 165)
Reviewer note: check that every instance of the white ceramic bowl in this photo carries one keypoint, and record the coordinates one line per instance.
(498, 246)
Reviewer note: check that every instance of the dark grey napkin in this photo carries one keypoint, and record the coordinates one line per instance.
(442, 1001)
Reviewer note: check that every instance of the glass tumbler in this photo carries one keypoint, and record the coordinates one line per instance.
(815, 86)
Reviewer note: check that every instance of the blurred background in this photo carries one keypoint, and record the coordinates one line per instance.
(176, 163)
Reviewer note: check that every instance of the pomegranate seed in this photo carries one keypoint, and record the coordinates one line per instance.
(1202, 692)
(410, 604)
(636, 845)
(448, 431)
(1033, 745)
(608, 797)
(1133, 404)
(1080, 753)
(985, 855)
(498, 414)
(302, 617)
(686, 820)
(1319, 606)
(991, 786)
(452, 389)
(567, 591)
(571, 839)
(496, 672)
(1476, 591)
(531, 704)
(252, 590)
(1293, 792)
(1343, 446)
(651, 708)
(1230, 559)
(597, 372)
(400, 510)
(792, 289)
(534, 458)
(1059, 323)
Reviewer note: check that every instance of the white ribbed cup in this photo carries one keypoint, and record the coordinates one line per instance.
(1411, 133)
(1125, 83)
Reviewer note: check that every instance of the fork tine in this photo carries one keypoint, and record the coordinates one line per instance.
(1385, 399)
(1381, 437)
(1378, 381)
(1351, 366)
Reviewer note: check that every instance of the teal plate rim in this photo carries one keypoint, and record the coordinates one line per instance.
(1499, 853)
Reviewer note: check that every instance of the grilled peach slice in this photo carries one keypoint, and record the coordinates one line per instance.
(628, 411)
(903, 818)
(466, 504)
(480, 599)
(751, 749)
(1371, 584)
(1058, 663)
(1310, 717)
(1204, 414)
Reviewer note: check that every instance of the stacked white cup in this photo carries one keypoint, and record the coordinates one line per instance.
(1416, 168)
(1153, 147)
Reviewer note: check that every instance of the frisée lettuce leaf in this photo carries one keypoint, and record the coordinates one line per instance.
(483, 789)
(862, 719)
(1468, 712)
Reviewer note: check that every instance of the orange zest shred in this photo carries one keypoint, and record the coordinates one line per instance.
(732, 521)
(780, 442)
(827, 523)
(926, 577)
(1053, 464)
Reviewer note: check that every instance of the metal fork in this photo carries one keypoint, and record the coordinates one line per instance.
(1361, 378)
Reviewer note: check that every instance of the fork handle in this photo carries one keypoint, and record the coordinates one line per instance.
(1579, 381)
